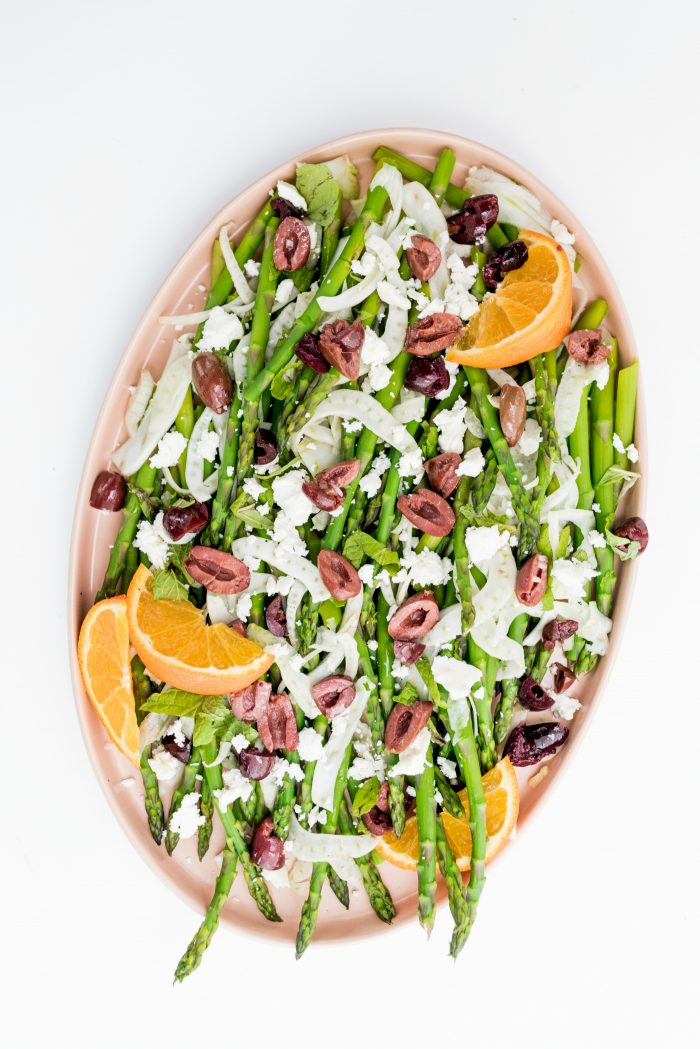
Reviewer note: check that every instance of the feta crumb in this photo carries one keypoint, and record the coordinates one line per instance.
(152, 540)
(565, 707)
(288, 495)
(292, 194)
(392, 295)
(285, 292)
(374, 349)
(251, 268)
(253, 488)
(373, 644)
(447, 767)
(411, 791)
(379, 377)
(316, 816)
(632, 453)
(410, 464)
(170, 448)
(412, 760)
(352, 425)
(596, 540)
(230, 471)
(451, 424)
(425, 568)
(244, 605)
(310, 745)
(165, 766)
(220, 330)
(561, 233)
(366, 574)
(530, 438)
(208, 445)
(188, 817)
(239, 742)
(595, 507)
(617, 443)
(472, 464)
(235, 786)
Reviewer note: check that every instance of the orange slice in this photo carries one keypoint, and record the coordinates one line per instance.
(502, 804)
(176, 645)
(103, 657)
(529, 313)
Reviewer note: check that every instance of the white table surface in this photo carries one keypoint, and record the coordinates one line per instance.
(125, 127)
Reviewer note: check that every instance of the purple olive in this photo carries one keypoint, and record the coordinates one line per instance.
(284, 208)
(508, 258)
(275, 618)
(179, 750)
(179, 521)
(108, 491)
(476, 218)
(635, 531)
(267, 850)
(533, 696)
(309, 352)
(427, 376)
(255, 764)
(528, 744)
(212, 382)
(265, 447)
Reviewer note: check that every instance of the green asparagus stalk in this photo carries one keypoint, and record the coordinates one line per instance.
(509, 692)
(593, 315)
(339, 887)
(377, 892)
(602, 457)
(202, 938)
(206, 808)
(144, 479)
(154, 806)
(426, 816)
(456, 894)
(484, 484)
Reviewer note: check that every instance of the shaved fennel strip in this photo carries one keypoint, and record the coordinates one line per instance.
(243, 288)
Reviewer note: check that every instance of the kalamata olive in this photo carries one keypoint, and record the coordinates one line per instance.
(255, 764)
(531, 580)
(472, 223)
(635, 531)
(265, 448)
(528, 744)
(340, 475)
(341, 344)
(404, 723)
(333, 694)
(250, 704)
(339, 575)
(275, 617)
(278, 726)
(407, 652)
(322, 497)
(179, 748)
(376, 821)
(292, 245)
(284, 208)
(382, 801)
(266, 849)
(432, 334)
(563, 677)
(428, 376)
(428, 511)
(442, 472)
(586, 346)
(179, 521)
(424, 257)
(512, 411)
(558, 630)
(212, 382)
(239, 626)
(309, 352)
(108, 491)
(510, 257)
(533, 696)
(219, 572)
(415, 617)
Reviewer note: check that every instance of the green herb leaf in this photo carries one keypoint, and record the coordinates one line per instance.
(360, 545)
(246, 511)
(426, 672)
(282, 386)
(407, 695)
(321, 192)
(213, 718)
(366, 797)
(167, 587)
(626, 549)
(616, 475)
(486, 520)
(176, 703)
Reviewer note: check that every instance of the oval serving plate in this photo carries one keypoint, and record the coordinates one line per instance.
(93, 532)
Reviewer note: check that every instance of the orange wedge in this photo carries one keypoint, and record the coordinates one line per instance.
(502, 804)
(529, 313)
(176, 645)
(103, 657)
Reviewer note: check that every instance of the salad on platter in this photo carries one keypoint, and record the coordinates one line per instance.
(369, 539)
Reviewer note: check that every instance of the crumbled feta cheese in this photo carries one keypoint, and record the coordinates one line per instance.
(152, 540)
(251, 268)
(561, 233)
(483, 542)
(425, 568)
(632, 453)
(352, 425)
(455, 676)
(595, 507)
(208, 445)
(565, 707)
(379, 377)
(285, 532)
(472, 464)
(392, 295)
(170, 448)
(457, 297)
(230, 471)
(448, 768)
(187, 818)
(596, 540)
(282, 768)
(253, 488)
(372, 644)
(617, 443)
(285, 292)
(288, 495)
(221, 328)
(400, 671)
(530, 438)
(165, 766)
(410, 464)
(452, 370)
(411, 791)
(366, 574)
(239, 742)
(451, 424)
(235, 787)
(374, 349)
(316, 816)
(412, 760)
(310, 745)
(367, 762)
(570, 579)
(244, 605)
(292, 194)
(370, 483)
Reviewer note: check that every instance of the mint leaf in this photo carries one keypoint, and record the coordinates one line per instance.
(360, 545)
(366, 797)
(246, 511)
(176, 703)
(407, 695)
(321, 192)
(167, 587)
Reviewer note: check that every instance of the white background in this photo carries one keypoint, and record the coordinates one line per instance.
(124, 128)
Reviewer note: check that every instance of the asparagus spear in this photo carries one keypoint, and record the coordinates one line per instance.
(602, 457)
(202, 938)
(456, 894)
(339, 887)
(468, 760)
(504, 709)
(154, 806)
(206, 808)
(426, 817)
(144, 479)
